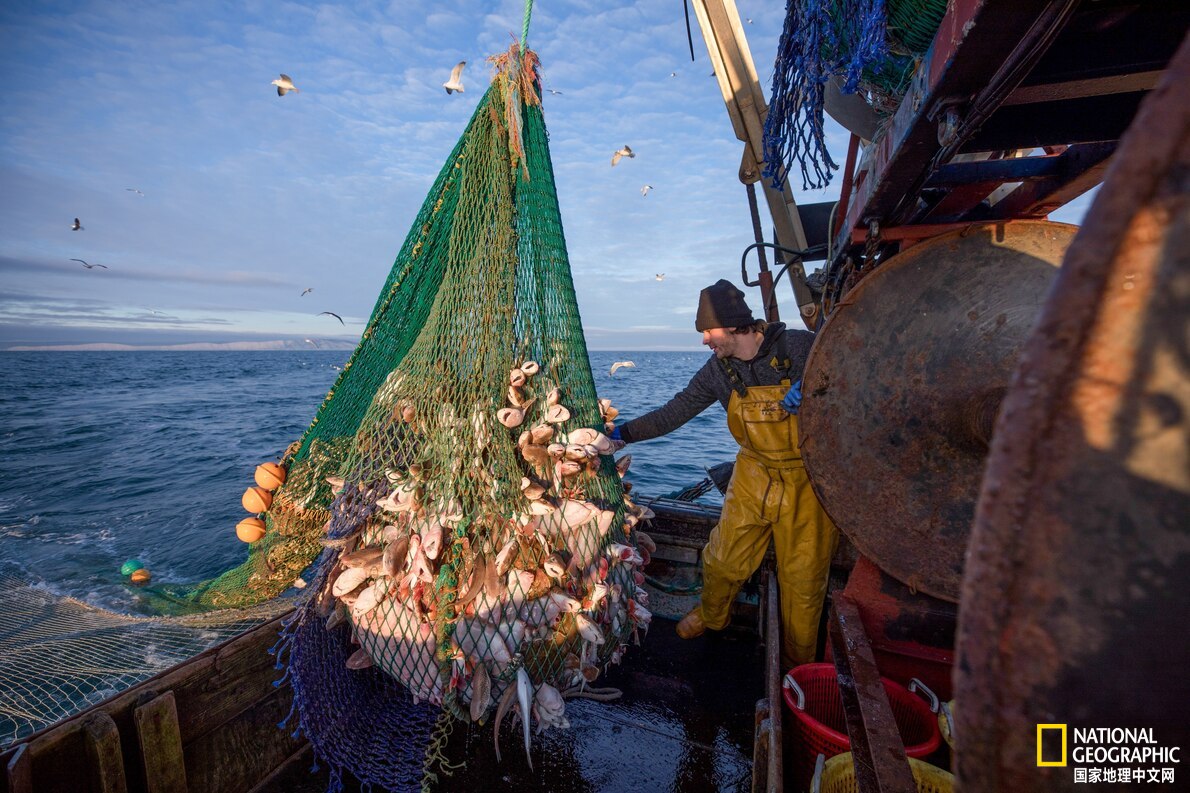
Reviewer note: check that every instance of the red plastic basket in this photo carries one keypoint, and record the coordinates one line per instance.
(820, 727)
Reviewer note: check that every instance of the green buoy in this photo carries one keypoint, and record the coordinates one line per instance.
(131, 566)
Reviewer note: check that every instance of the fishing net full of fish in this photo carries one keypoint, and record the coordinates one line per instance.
(476, 552)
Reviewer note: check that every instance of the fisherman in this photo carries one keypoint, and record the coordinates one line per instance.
(755, 373)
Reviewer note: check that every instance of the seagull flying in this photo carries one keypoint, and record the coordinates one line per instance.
(77, 226)
(308, 289)
(455, 83)
(620, 365)
(89, 266)
(284, 85)
(673, 74)
(660, 276)
(311, 341)
(555, 93)
(624, 152)
(644, 191)
(333, 314)
(134, 190)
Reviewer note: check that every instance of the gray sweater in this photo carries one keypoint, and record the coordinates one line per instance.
(782, 356)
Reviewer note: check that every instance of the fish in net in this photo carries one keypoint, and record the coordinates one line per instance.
(477, 553)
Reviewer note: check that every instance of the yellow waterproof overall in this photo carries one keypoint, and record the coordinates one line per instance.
(769, 496)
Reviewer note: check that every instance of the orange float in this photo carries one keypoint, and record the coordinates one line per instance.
(270, 476)
(257, 500)
(250, 529)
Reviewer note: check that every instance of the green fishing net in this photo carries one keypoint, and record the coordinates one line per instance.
(457, 487)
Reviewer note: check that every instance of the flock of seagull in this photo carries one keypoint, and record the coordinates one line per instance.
(78, 225)
(454, 84)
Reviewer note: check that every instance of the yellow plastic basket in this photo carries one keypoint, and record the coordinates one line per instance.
(837, 775)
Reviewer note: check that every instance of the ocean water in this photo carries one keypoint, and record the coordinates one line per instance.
(110, 456)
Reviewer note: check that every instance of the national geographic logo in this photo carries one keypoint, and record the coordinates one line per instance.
(1051, 745)
(1107, 754)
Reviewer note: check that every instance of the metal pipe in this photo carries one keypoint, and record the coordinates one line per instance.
(845, 188)
(774, 674)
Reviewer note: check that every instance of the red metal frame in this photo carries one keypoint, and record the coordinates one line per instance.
(1002, 76)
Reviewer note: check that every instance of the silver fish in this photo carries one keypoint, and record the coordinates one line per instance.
(524, 694)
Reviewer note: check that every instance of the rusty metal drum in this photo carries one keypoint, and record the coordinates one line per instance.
(903, 385)
(1077, 591)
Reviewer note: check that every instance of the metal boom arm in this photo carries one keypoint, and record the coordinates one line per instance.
(729, 53)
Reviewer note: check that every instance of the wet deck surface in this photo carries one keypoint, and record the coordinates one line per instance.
(685, 723)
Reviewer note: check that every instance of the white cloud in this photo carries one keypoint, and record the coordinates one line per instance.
(248, 195)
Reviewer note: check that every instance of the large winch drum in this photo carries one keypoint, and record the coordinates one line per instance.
(904, 384)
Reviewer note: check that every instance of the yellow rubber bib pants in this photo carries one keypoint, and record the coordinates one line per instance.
(769, 496)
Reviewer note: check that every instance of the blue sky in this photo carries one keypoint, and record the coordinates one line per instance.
(250, 198)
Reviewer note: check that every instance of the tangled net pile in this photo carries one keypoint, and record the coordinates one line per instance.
(473, 538)
(872, 46)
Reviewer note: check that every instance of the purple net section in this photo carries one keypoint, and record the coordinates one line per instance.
(360, 722)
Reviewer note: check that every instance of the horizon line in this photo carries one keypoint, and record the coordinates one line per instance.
(259, 347)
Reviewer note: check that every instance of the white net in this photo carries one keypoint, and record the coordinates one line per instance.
(59, 655)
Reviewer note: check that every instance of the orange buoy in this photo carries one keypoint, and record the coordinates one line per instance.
(140, 576)
(270, 476)
(257, 500)
(250, 529)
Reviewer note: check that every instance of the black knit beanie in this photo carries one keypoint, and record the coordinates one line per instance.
(721, 305)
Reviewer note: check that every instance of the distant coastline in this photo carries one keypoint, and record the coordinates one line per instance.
(280, 345)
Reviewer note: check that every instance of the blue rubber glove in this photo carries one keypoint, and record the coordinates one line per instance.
(615, 435)
(793, 399)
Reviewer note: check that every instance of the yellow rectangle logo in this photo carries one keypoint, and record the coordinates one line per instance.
(1041, 755)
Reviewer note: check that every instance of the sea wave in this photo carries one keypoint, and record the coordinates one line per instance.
(111, 456)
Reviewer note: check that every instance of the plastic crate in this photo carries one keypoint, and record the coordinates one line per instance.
(820, 727)
(837, 775)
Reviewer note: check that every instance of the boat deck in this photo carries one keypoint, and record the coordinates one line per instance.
(685, 723)
(686, 720)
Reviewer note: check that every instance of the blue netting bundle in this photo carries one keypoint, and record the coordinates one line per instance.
(821, 39)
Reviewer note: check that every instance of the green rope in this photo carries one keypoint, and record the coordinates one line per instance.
(525, 26)
(436, 753)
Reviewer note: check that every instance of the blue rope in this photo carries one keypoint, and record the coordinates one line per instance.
(821, 39)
